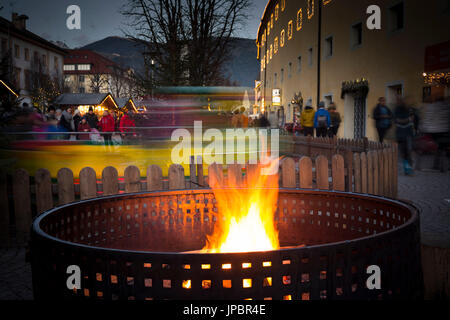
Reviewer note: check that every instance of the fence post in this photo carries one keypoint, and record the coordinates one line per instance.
(4, 211)
(154, 178)
(66, 190)
(176, 177)
(337, 170)
(110, 181)
(132, 179)
(22, 205)
(88, 183)
(305, 172)
(44, 195)
(322, 173)
(288, 173)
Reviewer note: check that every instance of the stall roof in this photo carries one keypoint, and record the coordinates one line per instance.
(82, 98)
(126, 103)
(9, 88)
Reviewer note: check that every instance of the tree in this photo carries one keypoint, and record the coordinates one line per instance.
(97, 82)
(188, 40)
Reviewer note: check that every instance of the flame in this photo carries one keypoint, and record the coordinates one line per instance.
(246, 212)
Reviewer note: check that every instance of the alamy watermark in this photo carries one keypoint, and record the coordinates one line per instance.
(231, 146)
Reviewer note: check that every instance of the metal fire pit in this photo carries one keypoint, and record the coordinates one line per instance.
(132, 247)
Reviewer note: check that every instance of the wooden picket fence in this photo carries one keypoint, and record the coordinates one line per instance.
(22, 196)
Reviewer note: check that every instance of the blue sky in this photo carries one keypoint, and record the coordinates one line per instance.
(99, 19)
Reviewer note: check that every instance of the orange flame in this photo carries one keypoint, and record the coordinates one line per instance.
(246, 212)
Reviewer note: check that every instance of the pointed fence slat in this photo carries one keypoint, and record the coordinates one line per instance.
(132, 179)
(322, 173)
(4, 210)
(110, 181)
(357, 173)
(44, 196)
(176, 177)
(364, 161)
(370, 172)
(350, 175)
(305, 173)
(66, 190)
(22, 204)
(386, 157)
(338, 173)
(154, 178)
(88, 183)
(381, 191)
(288, 173)
(215, 174)
(376, 174)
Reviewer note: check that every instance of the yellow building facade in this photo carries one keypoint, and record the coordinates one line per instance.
(325, 51)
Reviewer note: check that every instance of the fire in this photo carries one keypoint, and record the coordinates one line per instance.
(246, 213)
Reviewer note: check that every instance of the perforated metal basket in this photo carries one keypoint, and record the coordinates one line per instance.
(133, 247)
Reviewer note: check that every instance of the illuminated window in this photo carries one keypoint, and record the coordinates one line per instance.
(84, 67)
(271, 52)
(325, 2)
(283, 5)
(275, 44)
(271, 20)
(69, 67)
(310, 9)
(290, 29)
(277, 8)
(282, 35)
(268, 28)
(299, 19)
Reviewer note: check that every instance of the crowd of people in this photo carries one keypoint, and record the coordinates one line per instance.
(69, 124)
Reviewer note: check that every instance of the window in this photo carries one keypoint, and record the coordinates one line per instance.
(282, 76)
(283, 5)
(84, 67)
(275, 76)
(17, 77)
(310, 56)
(4, 46)
(28, 82)
(310, 9)
(282, 35)
(328, 100)
(271, 52)
(290, 70)
(299, 19)
(44, 60)
(27, 54)
(290, 30)
(325, 2)
(268, 28)
(55, 63)
(356, 35)
(16, 51)
(81, 90)
(299, 64)
(275, 45)
(329, 47)
(277, 9)
(81, 78)
(69, 67)
(396, 17)
(35, 57)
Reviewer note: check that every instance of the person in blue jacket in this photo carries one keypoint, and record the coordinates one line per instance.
(322, 120)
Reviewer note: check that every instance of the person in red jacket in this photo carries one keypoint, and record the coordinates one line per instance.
(127, 126)
(106, 126)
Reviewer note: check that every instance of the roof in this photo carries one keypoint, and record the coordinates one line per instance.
(8, 27)
(81, 99)
(127, 103)
(99, 64)
(270, 4)
(5, 85)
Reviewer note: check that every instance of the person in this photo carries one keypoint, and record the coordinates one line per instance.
(76, 119)
(66, 122)
(262, 121)
(83, 127)
(50, 116)
(127, 125)
(404, 124)
(322, 120)
(335, 118)
(106, 126)
(244, 118)
(307, 120)
(92, 119)
(236, 119)
(383, 118)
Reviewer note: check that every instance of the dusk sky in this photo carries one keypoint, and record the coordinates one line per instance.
(99, 19)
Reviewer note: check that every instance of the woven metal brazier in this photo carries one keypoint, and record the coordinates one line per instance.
(139, 247)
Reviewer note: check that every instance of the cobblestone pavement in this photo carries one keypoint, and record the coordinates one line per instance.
(429, 190)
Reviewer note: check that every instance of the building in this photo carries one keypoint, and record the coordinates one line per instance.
(29, 62)
(312, 50)
(86, 71)
(83, 101)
